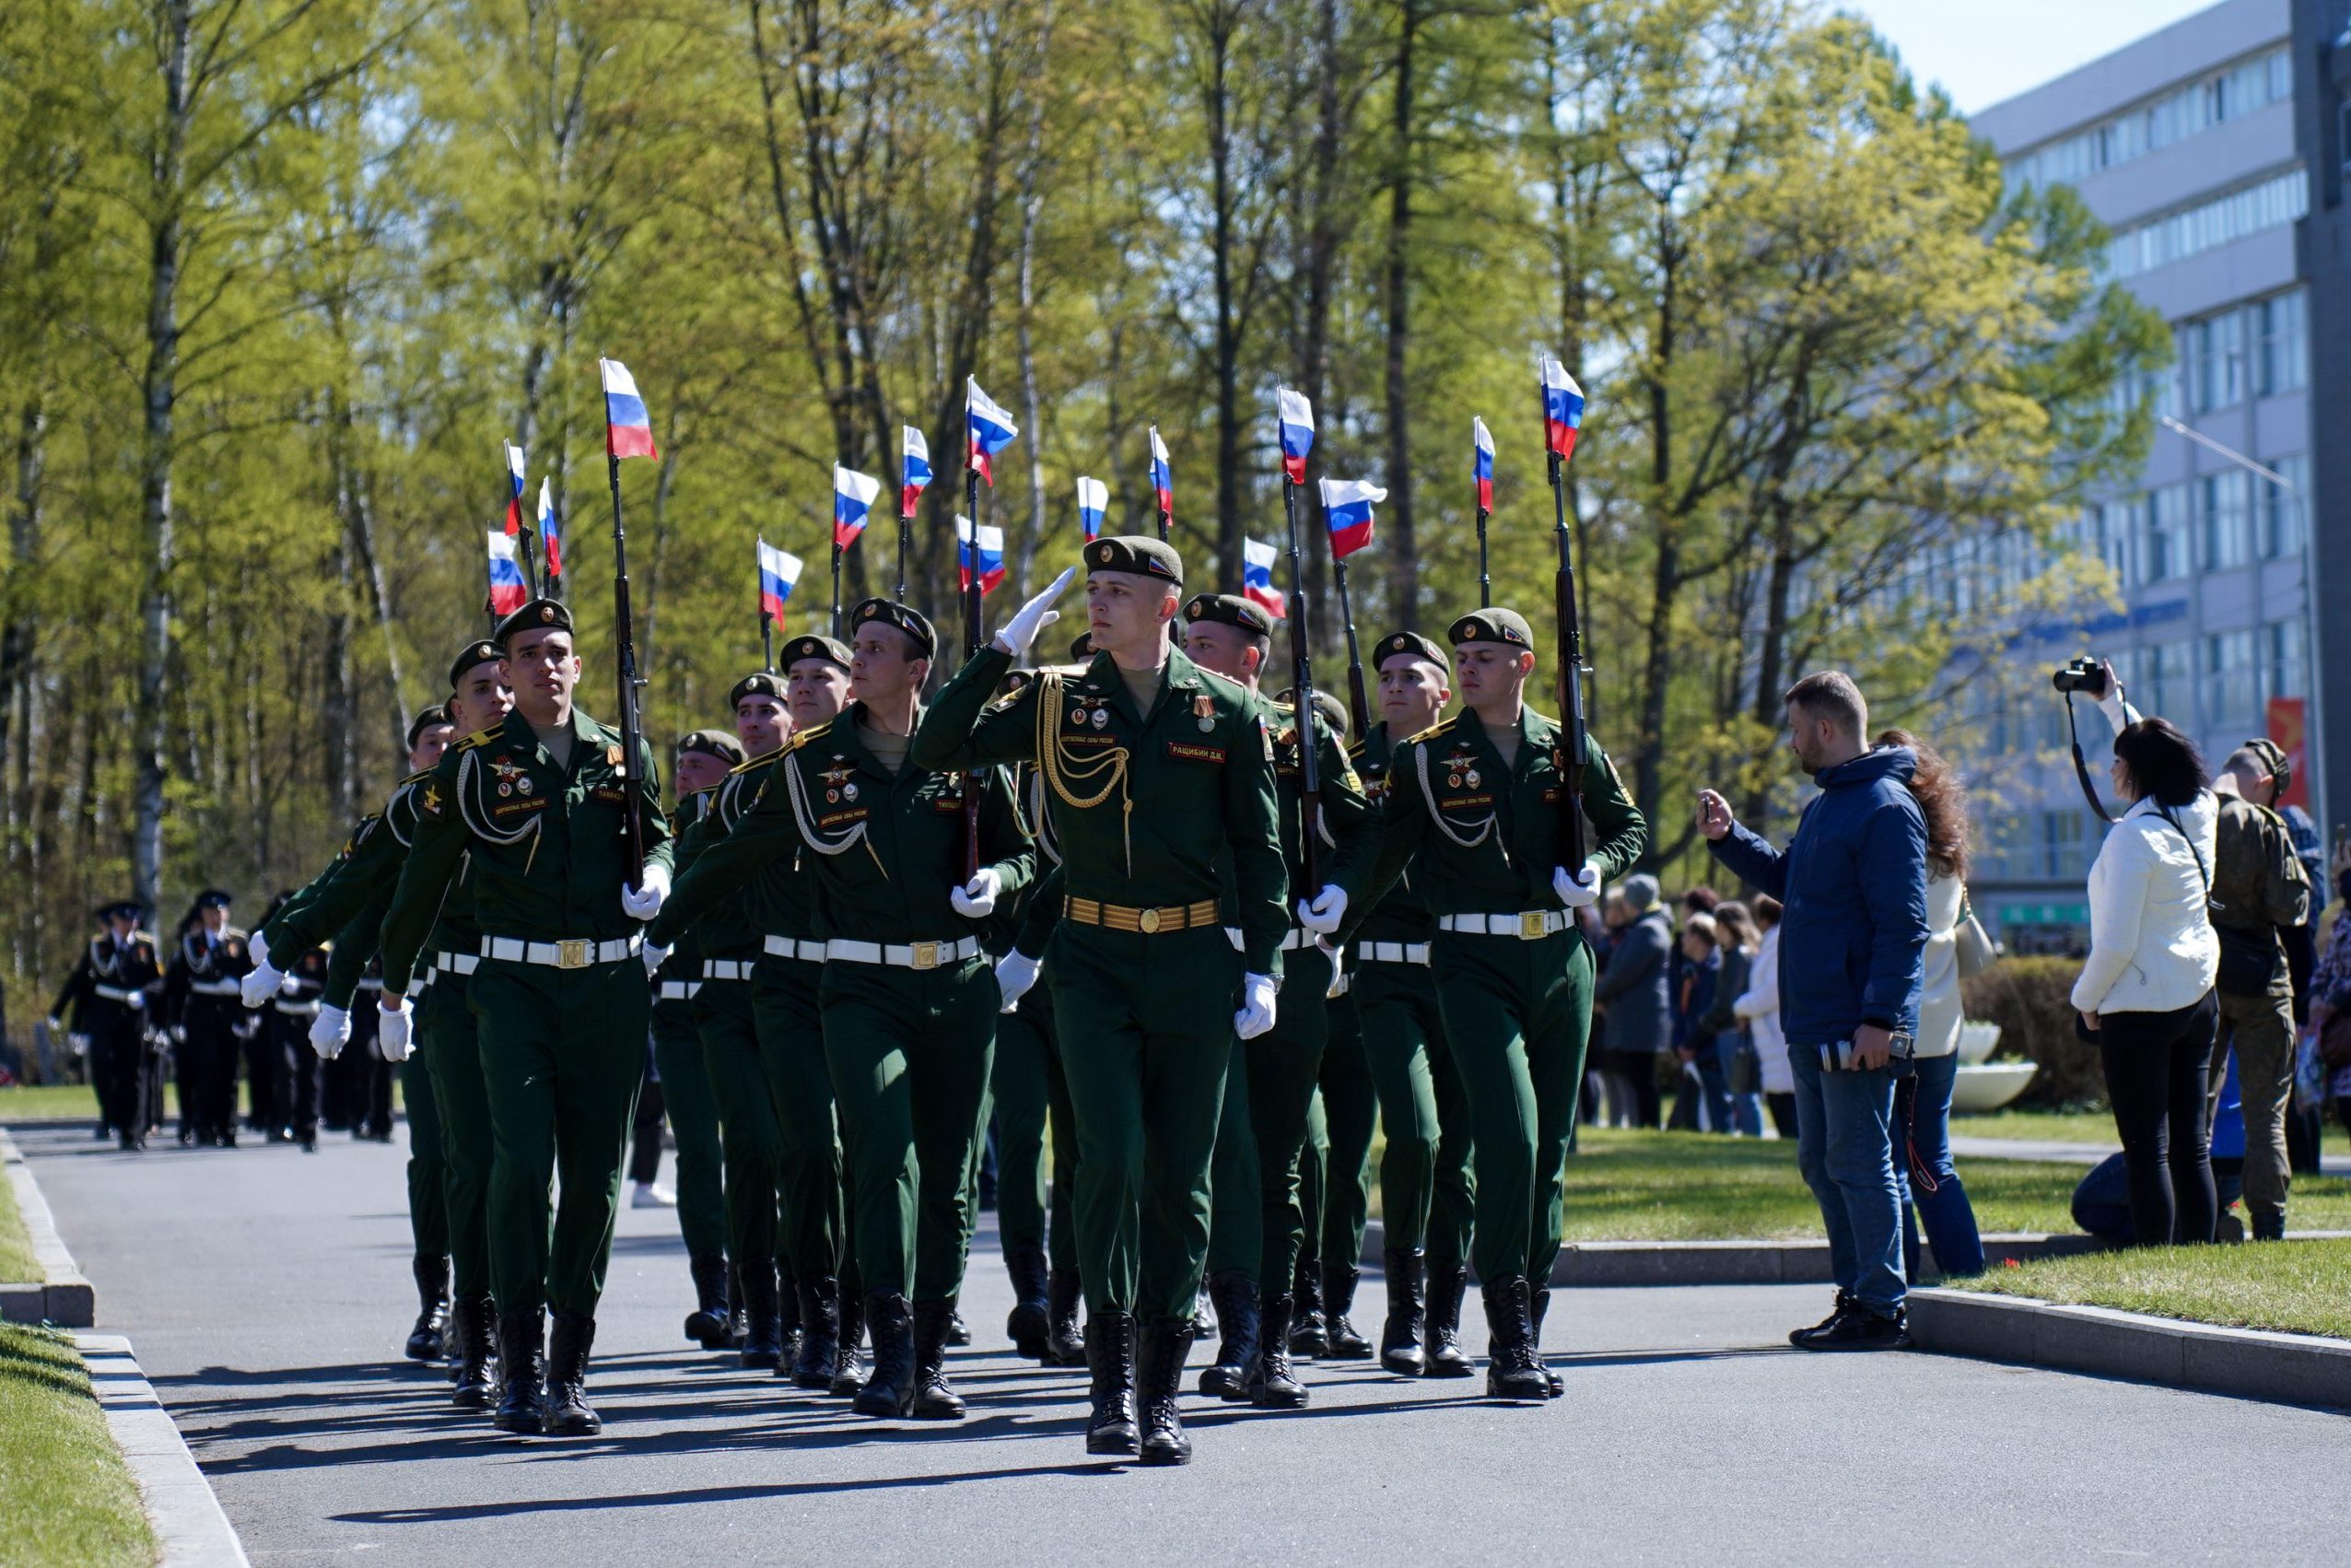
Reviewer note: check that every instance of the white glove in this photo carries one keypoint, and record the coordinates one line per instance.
(1256, 1006)
(977, 898)
(81, 1044)
(261, 984)
(179, 1033)
(1580, 890)
(1322, 914)
(1016, 635)
(56, 1025)
(329, 1030)
(645, 903)
(136, 999)
(1015, 973)
(1338, 968)
(654, 957)
(392, 1029)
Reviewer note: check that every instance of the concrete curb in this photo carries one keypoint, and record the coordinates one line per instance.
(189, 1529)
(2288, 1369)
(62, 1296)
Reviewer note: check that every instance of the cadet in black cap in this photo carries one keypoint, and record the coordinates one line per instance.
(208, 1024)
(113, 987)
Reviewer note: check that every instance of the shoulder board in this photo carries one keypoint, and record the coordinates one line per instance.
(1231, 689)
(755, 764)
(483, 737)
(1432, 732)
(1355, 749)
(420, 773)
(804, 737)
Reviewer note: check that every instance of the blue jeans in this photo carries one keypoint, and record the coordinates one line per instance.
(1747, 1105)
(1932, 1195)
(1845, 1149)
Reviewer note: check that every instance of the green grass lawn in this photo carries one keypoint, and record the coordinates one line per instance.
(2297, 1287)
(77, 1102)
(69, 1495)
(2051, 1127)
(18, 1265)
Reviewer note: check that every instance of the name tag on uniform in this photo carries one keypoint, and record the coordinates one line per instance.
(505, 809)
(611, 794)
(1462, 802)
(1089, 741)
(1192, 751)
(1551, 795)
(842, 819)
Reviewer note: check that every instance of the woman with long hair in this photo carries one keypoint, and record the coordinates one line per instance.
(1741, 1097)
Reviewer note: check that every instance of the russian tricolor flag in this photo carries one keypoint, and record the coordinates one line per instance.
(778, 574)
(514, 489)
(1481, 462)
(916, 474)
(1562, 408)
(1162, 478)
(1257, 579)
(549, 533)
(508, 591)
(853, 494)
(1347, 509)
(628, 429)
(1094, 500)
(1297, 433)
(991, 429)
(991, 556)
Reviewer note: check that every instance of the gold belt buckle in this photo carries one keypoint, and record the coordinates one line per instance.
(1148, 921)
(926, 954)
(1530, 925)
(573, 954)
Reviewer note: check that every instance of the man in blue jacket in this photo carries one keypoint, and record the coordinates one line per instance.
(1851, 959)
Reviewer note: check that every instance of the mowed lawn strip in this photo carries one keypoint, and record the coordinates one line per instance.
(18, 1265)
(2292, 1287)
(70, 1497)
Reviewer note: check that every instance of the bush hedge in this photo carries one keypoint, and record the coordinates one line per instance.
(2031, 998)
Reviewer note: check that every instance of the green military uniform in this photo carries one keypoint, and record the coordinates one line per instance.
(1337, 1201)
(1148, 806)
(1514, 972)
(681, 1059)
(2258, 887)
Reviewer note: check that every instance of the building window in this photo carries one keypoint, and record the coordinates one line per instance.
(2232, 680)
(2221, 498)
(2064, 838)
(2283, 360)
(2279, 526)
(2166, 683)
(2283, 662)
(2217, 361)
(2281, 199)
(2180, 112)
(2163, 552)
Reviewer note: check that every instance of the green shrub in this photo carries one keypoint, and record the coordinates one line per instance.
(2031, 998)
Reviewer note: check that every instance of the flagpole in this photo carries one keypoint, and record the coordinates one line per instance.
(1360, 709)
(836, 571)
(971, 627)
(625, 633)
(1485, 584)
(905, 531)
(1571, 659)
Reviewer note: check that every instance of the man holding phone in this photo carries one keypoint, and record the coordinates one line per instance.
(1852, 959)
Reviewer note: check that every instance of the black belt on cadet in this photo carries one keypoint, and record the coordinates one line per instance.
(567, 952)
(1392, 952)
(1292, 940)
(728, 968)
(1528, 925)
(679, 991)
(911, 955)
(792, 947)
(457, 963)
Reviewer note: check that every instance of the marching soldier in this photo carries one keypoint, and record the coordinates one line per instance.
(291, 1013)
(1147, 991)
(1348, 1108)
(1478, 798)
(111, 990)
(209, 1027)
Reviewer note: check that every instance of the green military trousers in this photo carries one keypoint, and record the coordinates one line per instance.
(1426, 1190)
(1237, 1208)
(1145, 1025)
(563, 1056)
(909, 1051)
(1284, 1064)
(1031, 1100)
(751, 1135)
(693, 1110)
(811, 1180)
(452, 1052)
(1517, 1015)
(1350, 1113)
(427, 1169)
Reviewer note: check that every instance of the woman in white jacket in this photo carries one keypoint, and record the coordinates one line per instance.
(2145, 993)
(1758, 1008)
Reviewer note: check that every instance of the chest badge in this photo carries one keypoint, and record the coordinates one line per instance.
(1461, 767)
(1204, 711)
(836, 781)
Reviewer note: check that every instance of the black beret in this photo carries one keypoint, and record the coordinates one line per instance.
(122, 909)
(1230, 609)
(481, 650)
(757, 684)
(426, 718)
(1081, 646)
(1329, 712)
(1137, 553)
(1494, 625)
(1412, 643)
(812, 647)
(906, 618)
(537, 614)
(712, 743)
(213, 898)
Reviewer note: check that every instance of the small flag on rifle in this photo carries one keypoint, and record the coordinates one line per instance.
(1482, 460)
(550, 531)
(853, 494)
(1562, 408)
(991, 556)
(1347, 509)
(1162, 478)
(1094, 500)
(778, 574)
(1257, 579)
(628, 429)
(916, 474)
(514, 489)
(992, 429)
(1297, 433)
(508, 588)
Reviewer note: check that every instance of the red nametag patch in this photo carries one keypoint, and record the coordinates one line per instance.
(1457, 802)
(841, 819)
(1192, 751)
(509, 808)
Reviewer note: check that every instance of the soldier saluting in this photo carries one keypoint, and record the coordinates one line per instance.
(111, 989)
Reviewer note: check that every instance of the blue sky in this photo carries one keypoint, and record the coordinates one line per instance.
(1985, 51)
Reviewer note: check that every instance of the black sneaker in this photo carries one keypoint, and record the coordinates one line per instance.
(1856, 1329)
(1844, 1304)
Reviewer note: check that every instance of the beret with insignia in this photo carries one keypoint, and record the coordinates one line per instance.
(1410, 644)
(812, 647)
(536, 616)
(1137, 554)
(906, 618)
(758, 684)
(1507, 626)
(712, 743)
(481, 650)
(1230, 609)
(426, 718)
(214, 898)
(122, 909)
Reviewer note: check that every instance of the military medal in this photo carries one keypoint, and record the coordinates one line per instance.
(1470, 779)
(1101, 719)
(848, 792)
(1204, 710)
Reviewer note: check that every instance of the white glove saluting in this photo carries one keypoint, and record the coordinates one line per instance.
(391, 1029)
(1580, 890)
(1256, 1006)
(654, 957)
(1323, 913)
(261, 983)
(1017, 635)
(1015, 973)
(977, 898)
(643, 904)
(329, 1030)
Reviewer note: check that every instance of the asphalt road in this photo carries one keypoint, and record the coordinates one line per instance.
(267, 1293)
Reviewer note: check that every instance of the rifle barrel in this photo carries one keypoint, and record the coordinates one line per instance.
(1302, 659)
(631, 737)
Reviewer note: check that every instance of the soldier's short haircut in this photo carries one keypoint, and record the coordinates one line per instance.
(1831, 694)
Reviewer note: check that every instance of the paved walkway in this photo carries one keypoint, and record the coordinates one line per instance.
(2070, 1154)
(267, 1292)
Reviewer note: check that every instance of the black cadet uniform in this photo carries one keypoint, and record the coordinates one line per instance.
(209, 1023)
(114, 988)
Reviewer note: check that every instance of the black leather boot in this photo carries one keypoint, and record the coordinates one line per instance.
(1447, 1284)
(1235, 1296)
(428, 1340)
(958, 1331)
(1031, 1323)
(707, 1323)
(1400, 1350)
(820, 1333)
(848, 1370)
(568, 1412)
(1110, 1355)
(522, 1407)
(1511, 1370)
(787, 1321)
(1065, 1345)
(2269, 1225)
(1307, 1340)
(1272, 1385)
(477, 1328)
(889, 1390)
(1159, 1371)
(934, 1399)
(1538, 1302)
(763, 1346)
(1337, 1300)
(738, 1327)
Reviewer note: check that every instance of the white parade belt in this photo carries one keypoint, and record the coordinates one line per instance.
(371, 982)
(1392, 952)
(293, 1009)
(728, 968)
(791, 947)
(679, 991)
(917, 956)
(117, 993)
(213, 987)
(570, 952)
(1529, 925)
(457, 963)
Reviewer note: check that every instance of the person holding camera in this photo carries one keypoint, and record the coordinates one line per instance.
(1854, 882)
